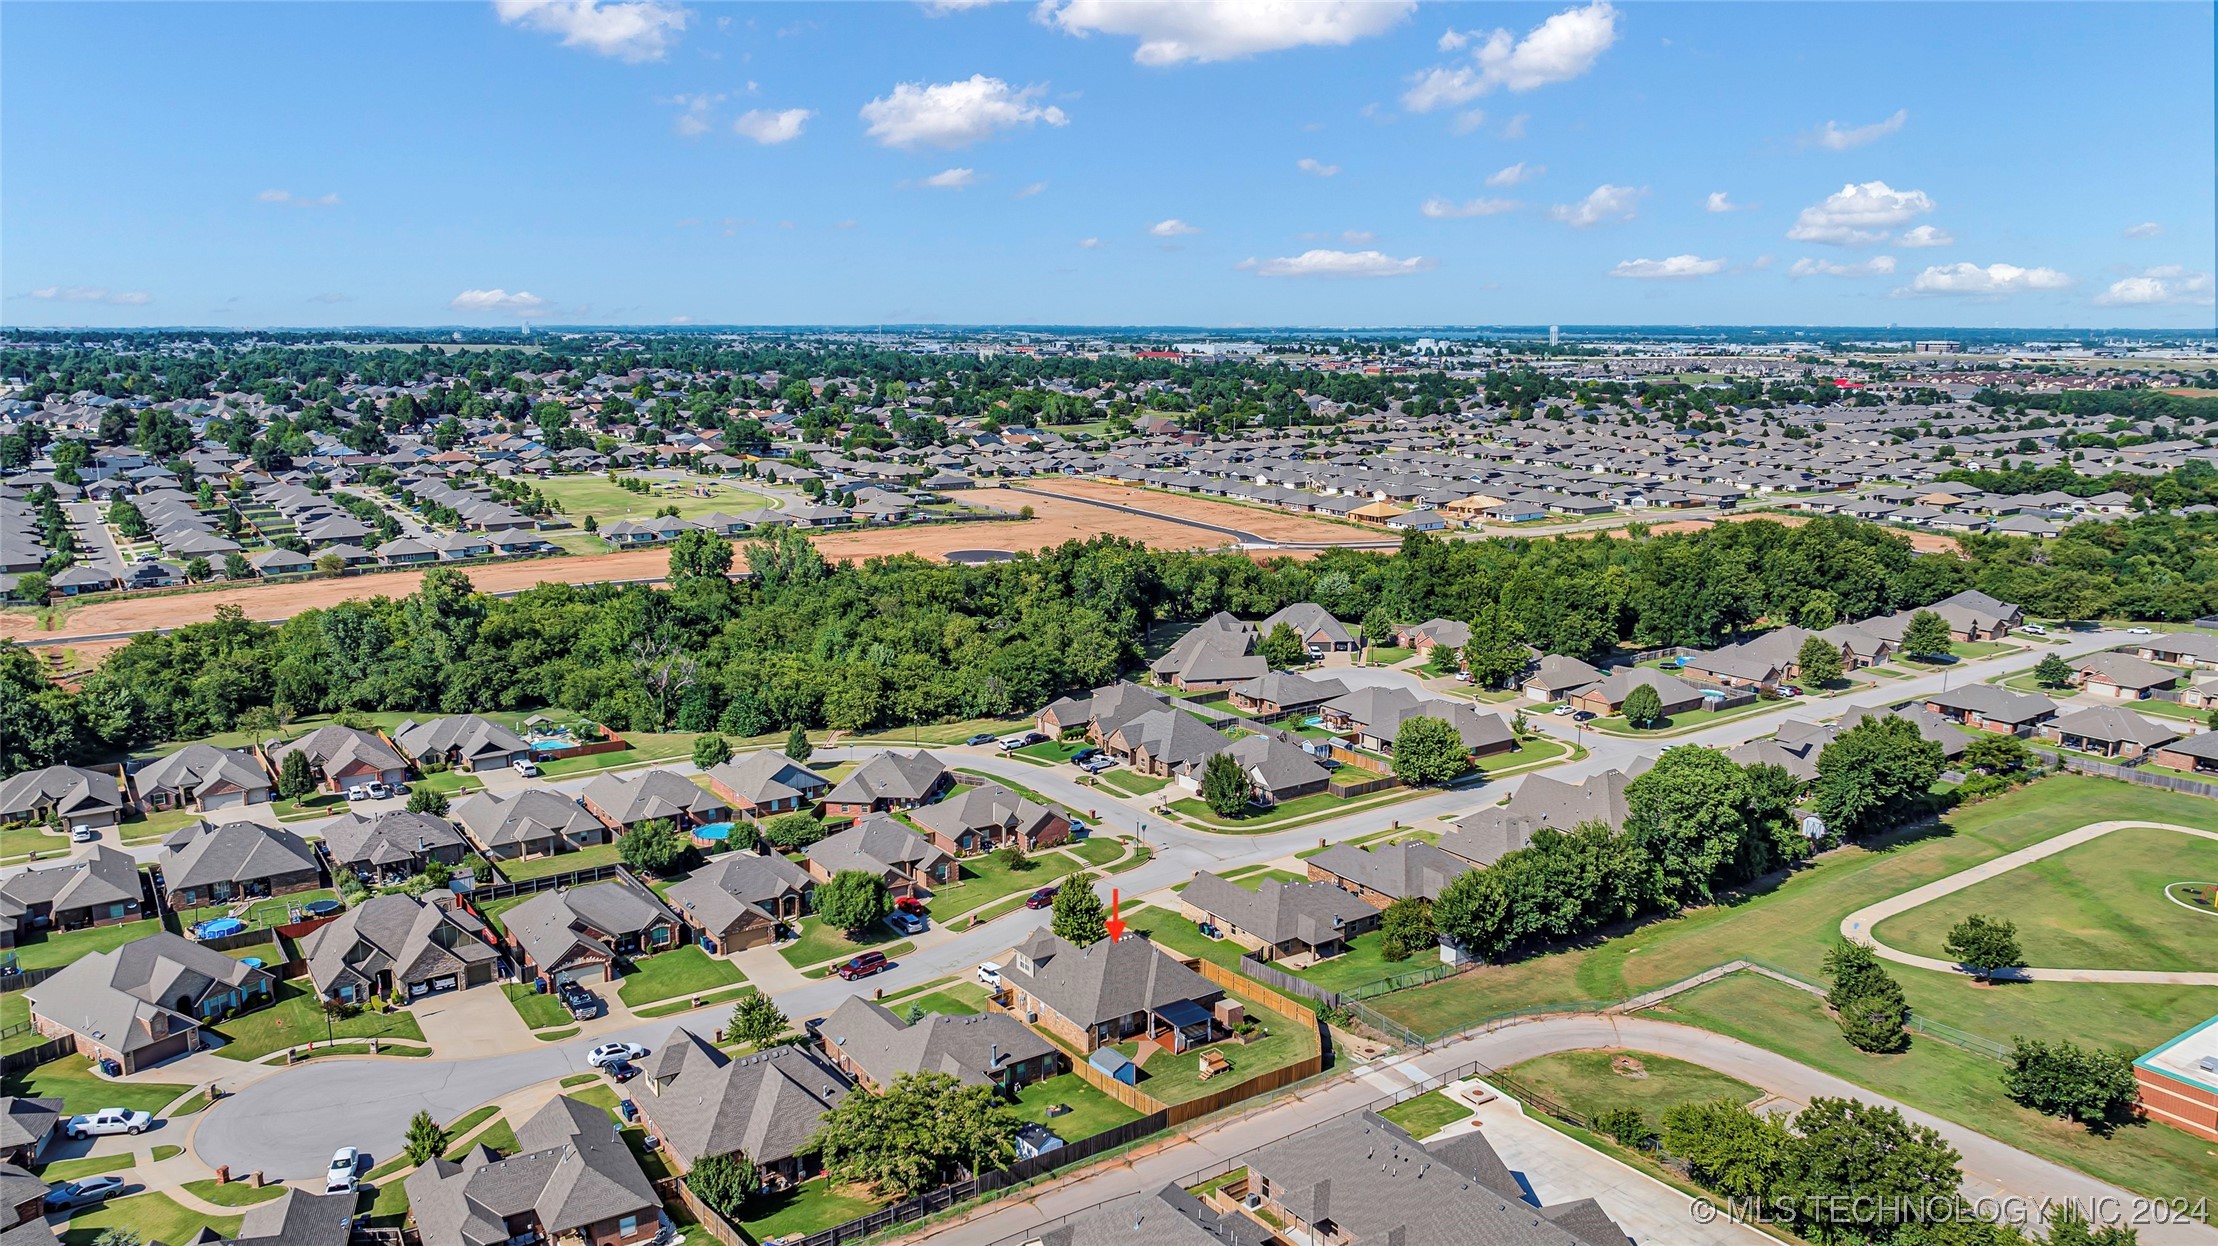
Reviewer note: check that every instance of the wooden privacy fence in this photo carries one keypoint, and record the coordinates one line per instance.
(2130, 774)
(675, 1190)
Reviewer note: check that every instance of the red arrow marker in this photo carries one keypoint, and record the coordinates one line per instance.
(1115, 923)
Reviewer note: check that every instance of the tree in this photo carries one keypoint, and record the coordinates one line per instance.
(197, 570)
(1429, 750)
(1079, 917)
(422, 799)
(1012, 857)
(852, 901)
(331, 564)
(2068, 1226)
(1865, 999)
(756, 1019)
(1820, 610)
(295, 777)
(699, 555)
(1872, 775)
(797, 744)
(2052, 671)
(129, 521)
(711, 751)
(1492, 655)
(1225, 786)
(1406, 928)
(1643, 706)
(34, 587)
(1984, 946)
(794, 831)
(1927, 635)
(1820, 662)
(1378, 627)
(725, 1181)
(1282, 648)
(2086, 1084)
(1997, 754)
(652, 847)
(1894, 1167)
(1686, 814)
(424, 1139)
(910, 1137)
(1726, 1147)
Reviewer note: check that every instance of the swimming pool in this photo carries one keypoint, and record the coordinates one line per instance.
(216, 928)
(713, 831)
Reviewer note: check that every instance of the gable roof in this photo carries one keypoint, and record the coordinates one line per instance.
(875, 844)
(972, 1049)
(201, 766)
(764, 1106)
(525, 817)
(396, 837)
(571, 1170)
(200, 855)
(763, 777)
(890, 776)
(656, 795)
(1105, 980)
(1275, 912)
(1406, 867)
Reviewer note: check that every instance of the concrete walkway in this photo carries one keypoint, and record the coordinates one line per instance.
(1861, 924)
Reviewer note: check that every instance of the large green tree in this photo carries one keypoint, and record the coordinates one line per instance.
(1865, 999)
(1927, 635)
(1643, 706)
(652, 847)
(1874, 774)
(853, 900)
(916, 1133)
(1493, 655)
(1225, 787)
(1984, 945)
(1282, 647)
(1819, 662)
(1687, 814)
(699, 555)
(1429, 750)
(1078, 916)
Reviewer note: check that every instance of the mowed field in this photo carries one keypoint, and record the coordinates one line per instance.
(1269, 524)
(606, 500)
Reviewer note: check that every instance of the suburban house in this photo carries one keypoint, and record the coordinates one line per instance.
(2194, 649)
(2121, 676)
(340, 757)
(1806, 736)
(27, 1127)
(1213, 654)
(1608, 696)
(887, 781)
(1275, 694)
(203, 778)
(398, 944)
(99, 888)
(1774, 657)
(983, 816)
(764, 1106)
(2195, 754)
(1320, 632)
(739, 899)
(766, 783)
(462, 742)
(1799, 758)
(144, 1002)
(1100, 711)
(1970, 615)
(872, 1046)
(293, 1218)
(1555, 677)
(1167, 1216)
(1483, 734)
(1107, 992)
(392, 845)
(535, 822)
(2107, 731)
(1389, 872)
(23, 1208)
(579, 934)
(622, 802)
(1165, 744)
(1295, 922)
(571, 1179)
(204, 864)
(1278, 767)
(1426, 636)
(910, 864)
(1540, 802)
(1992, 707)
(72, 797)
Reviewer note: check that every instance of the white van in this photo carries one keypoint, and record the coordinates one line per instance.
(526, 767)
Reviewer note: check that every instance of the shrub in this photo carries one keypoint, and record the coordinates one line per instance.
(1628, 1126)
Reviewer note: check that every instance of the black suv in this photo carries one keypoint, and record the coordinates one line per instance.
(581, 1002)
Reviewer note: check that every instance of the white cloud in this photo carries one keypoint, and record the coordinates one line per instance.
(290, 199)
(1516, 174)
(1441, 209)
(1859, 214)
(772, 125)
(1558, 50)
(1318, 167)
(2146, 229)
(1719, 201)
(1029, 191)
(1876, 266)
(1992, 281)
(92, 294)
(1678, 267)
(1172, 228)
(1514, 128)
(2167, 284)
(1359, 237)
(1927, 236)
(633, 30)
(954, 114)
(1606, 203)
(1325, 263)
(950, 179)
(1173, 31)
(1833, 136)
(1468, 120)
(523, 303)
(1089, 244)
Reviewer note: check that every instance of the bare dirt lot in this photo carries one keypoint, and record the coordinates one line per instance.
(1923, 542)
(1270, 525)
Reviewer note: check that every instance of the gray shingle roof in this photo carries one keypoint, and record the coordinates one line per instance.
(764, 1106)
(972, 1049)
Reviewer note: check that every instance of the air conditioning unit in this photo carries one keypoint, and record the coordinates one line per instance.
(1031, 1018)
(1252, 1202)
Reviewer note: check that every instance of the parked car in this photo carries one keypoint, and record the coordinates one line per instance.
(2034, 629)
(989, 975)
(2137, 631)
(83, 835)
(1084, 755)
(910, 904)
(369, 791)
(863, 966)
(108, 1121)
(1043, 898)
(1560, 710)
(525, 767)
(341, 1176)
(83, 1193)
(1098, 763)
(983, 737)
(614, 1053)
(620, 1072)
(905, 922)
(581, 1002)
(1584, 716)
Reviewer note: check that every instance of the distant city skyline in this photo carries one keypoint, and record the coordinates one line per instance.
(1211, 164)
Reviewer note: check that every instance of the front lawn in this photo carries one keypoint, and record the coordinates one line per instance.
(1682, 722)
(682, 971)
(1533, 750)
(819, 943)
(959, 1000)
(1588, 1083)
(560, 863)
(1096, 851)
(1287, 813)
(451, 782)
(232, 1193)
(540, 1010)
(81, 1090)
(297, 1018)
(313, 805)
(1179, 936)
(986, 879)
(1427, 1114)
(148, 1218)
(1133, 784)
(1388, 655)
(810, 1207)
(2170, 709)
(1053, 752)
(1091, 1112)
(49, 949)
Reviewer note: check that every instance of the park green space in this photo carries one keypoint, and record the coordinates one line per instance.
(1587, 1083)
(607, 501)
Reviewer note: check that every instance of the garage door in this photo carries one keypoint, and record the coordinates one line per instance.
(583, 975)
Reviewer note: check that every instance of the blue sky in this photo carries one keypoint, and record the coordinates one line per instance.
(1205, 162)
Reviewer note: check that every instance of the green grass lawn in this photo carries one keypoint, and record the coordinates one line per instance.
(500, 1135)
(1682, 722)
(72, 1080)
(2169, 709)
(1364, 962)
(1090, 1113)
(1194, 809)
(451, 782)
(232, 1193)
(986, 879)
(47, 949)
(685, 1004)
(1176, 934)
(605, 500)
(275, 911)
(313, 805)
(819, 943)
(143, 828)
(1014, 786)
(1427, 1114)
(151, 1217)
(961, 999)
(1053, 752)
(539, 1011)
(1132, 784)
(2150, 1159)
(1388, 655)
(681, 971)
(1096, 851)
(1176, 1079)
(560, 863)
(1584, 1082)
(2100, 904)
(297, 1018)
(808, 1208)
(90, 1166)
(1533, 750)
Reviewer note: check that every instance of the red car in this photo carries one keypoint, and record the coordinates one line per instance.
(862, 966)
(910, 904)
(1043, 898)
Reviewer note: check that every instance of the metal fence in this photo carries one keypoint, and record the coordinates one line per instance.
(489, 892)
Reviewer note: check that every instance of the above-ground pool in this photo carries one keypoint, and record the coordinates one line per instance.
(713, 831)
(217, 927)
